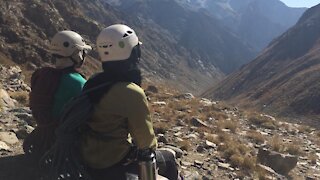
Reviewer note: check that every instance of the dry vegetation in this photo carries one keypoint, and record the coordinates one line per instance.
(262, 121)
(223, 127)
(21, 96)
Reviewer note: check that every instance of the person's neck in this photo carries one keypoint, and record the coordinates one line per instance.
(64, 62)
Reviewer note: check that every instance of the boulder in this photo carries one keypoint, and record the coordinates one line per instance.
(8, 137)
(5, 100)
(178, 151)
(185, 96)
(198, 123)
(152, 89)
(4, 146)
(281, 163)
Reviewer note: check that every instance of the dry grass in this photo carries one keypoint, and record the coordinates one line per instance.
(313, 158)
(249, 163)
(304, 129)
(161, 127)
(223, 137)
(234, 151)
(293, 149)
(231, 125)
(276, 144)
(244, 162)
(257, 137)
(21, 96)
(262, 121)
(1, 106)
(202, 130)
(236, 160)
(185, 145)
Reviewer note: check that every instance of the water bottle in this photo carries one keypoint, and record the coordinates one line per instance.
(147, 165)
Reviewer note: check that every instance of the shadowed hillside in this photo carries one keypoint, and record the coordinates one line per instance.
(284, 78)
(26, 28)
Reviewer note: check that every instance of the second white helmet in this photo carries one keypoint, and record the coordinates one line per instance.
(115, 43)
(65, 43)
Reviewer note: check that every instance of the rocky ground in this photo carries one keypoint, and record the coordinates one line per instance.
(211, 139)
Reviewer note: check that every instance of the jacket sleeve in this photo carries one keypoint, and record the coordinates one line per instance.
(139, 120)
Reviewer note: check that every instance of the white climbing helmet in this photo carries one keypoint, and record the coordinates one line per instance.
(115, 43)
(65, 43)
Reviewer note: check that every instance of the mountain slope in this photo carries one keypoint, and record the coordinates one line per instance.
(25, 35)
(209, 42)
(285, 77)
(255, 21)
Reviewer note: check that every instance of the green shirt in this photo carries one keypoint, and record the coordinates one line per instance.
(70, 86)
(122, 113)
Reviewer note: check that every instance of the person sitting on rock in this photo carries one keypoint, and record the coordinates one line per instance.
(53, 87)
(121, 126)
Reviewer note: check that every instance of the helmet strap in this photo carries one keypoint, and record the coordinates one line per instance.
(78, 58)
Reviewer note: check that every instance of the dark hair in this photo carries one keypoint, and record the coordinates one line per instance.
(117, 71)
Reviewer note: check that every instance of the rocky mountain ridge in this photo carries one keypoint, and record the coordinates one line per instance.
(208, 42)
(256, 21)
(25, 36)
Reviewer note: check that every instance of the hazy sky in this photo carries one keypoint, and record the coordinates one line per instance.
(301, 3)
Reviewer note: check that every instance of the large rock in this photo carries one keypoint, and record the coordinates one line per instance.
(185, 96)
(8, 137)
(198, 123)
(281, 163)
(5, 100)
(4, 146)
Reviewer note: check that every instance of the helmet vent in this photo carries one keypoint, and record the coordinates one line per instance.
(66, 44)
(106, 53)
(127, 33)
(106, 46)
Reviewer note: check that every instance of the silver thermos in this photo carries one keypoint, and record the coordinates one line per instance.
(147, 165)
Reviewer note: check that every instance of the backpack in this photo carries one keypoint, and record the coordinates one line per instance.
(44, 83)
(63, 160)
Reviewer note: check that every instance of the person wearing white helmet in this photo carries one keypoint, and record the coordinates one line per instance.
(52, 88)
(69, 50)
(120, 127)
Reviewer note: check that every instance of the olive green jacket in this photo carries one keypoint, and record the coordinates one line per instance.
(122, 113)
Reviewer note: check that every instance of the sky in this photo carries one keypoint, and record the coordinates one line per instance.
(301, 3)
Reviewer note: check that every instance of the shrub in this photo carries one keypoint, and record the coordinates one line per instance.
(293, 149)
(313, 158)
(236, 160)
(161, 127)
(276, 144)
(270, 125)
(231, 125)
(262, 121)
(304, 129)
(185, 145)
(256, 137)
(249, 163)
